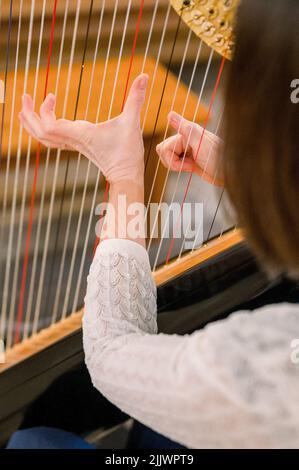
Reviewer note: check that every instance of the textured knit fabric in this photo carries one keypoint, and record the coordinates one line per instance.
(234, 383)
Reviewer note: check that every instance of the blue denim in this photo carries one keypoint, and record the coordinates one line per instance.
(46, 438)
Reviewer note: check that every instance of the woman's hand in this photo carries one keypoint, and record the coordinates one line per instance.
(114, 146)
(207, 163)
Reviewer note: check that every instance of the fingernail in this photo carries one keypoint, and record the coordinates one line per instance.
(143, 81)
(175, 118)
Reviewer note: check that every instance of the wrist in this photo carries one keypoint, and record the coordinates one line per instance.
(125, 214)
(132, 188)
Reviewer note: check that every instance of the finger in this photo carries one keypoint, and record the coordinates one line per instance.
(184, 127)
(27, 103)
(47, 108)
(169, 158)
(26, 126)
(177, 160)
(173, 144)
(31, 119)
(183, 165)
(136, 97)
(30, 131)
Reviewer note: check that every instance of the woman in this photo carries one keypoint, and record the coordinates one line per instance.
(232, 384)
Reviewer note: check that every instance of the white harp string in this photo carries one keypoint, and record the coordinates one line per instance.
(206, 199)
(43, 190)
(27, 166)
(187, 144)
(66, 298)
(58, 154)
(84, 253)
(167, 127)
(77, 290)
(149, 37)
(15, 185)
(66, 271)
(6, 181)
(74, 250)
(156, 66)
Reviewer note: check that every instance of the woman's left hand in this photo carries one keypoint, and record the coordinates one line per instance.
(114, 146)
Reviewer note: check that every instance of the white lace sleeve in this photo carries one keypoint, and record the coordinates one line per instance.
(231, 384)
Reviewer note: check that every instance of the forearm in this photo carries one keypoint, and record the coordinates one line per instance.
(121, 296)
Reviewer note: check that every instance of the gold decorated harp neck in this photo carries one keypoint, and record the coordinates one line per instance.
(211, 20)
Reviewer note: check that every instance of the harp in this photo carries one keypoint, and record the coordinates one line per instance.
(87, 52)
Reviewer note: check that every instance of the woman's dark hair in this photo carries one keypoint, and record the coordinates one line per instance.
(261, 163)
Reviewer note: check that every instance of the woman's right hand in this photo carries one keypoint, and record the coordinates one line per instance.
(192, 151)
(114, 146)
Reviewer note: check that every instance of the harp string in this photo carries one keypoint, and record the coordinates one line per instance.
(160, 102)
(215, 214)
(7, 53)
(56, 171)
(96, 187)
(6, 181)
(15, 184)
(62, 264)
(133, 53)
(197, 151)
(105, 199)
(217, 209)
(74, 251)
(69, 281)
(43, 190)
(149, 36)
(74, 185)
(8, 158)
(171, 109)
(206, 200)
(23, 203)
(87, 237)
(114, 91)
(99, 107)
(199, 100)
(222, 190)
(156, 66)
(163, 90)
(70, 269)
(167, 127)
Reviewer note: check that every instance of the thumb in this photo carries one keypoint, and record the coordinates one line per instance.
(136, 97)
(180, 124)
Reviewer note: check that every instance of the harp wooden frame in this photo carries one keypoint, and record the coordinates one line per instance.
(49, 336)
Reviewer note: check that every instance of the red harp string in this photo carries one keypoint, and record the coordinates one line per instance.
(196, 155)
(106, 193)
(33, 192)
